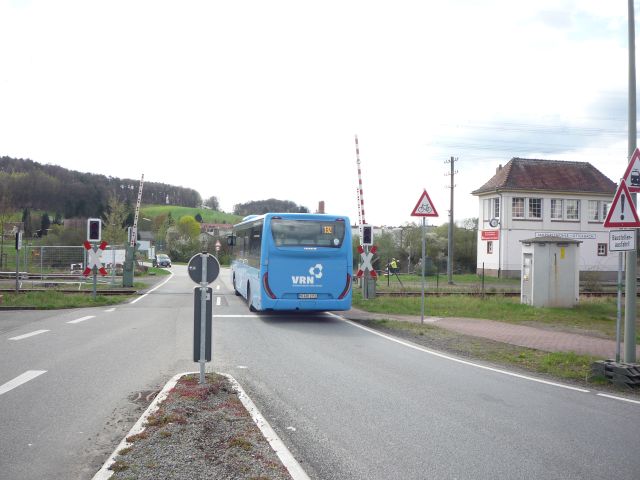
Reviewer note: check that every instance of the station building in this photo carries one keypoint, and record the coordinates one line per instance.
(530, 198)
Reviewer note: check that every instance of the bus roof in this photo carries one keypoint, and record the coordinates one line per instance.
(294, 216)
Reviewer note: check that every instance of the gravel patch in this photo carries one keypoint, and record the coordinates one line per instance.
(199, 432)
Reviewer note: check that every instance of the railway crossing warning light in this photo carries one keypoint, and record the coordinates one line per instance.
(94, 230)
(367, 235)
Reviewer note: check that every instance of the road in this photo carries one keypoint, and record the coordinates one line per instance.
(348, 403)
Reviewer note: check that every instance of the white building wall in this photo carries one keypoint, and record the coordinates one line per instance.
(507, 250)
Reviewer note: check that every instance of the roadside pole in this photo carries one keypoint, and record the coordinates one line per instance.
(18, 248)
(424, 248)
(424, 208)
(203, 315)
(619, 313)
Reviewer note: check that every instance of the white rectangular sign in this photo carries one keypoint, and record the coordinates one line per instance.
(622, 240)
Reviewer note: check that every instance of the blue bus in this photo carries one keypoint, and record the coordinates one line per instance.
(293, 261)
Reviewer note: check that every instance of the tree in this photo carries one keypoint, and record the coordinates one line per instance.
(26, 222)
(188, 227)
(45, 223)
(212, 203)
(114, 232)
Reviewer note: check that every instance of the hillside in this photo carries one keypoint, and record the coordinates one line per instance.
(28, 184)
(208, 216)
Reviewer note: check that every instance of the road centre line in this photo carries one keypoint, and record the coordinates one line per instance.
(27, 335)
(110, 310)
(458, 360)
(152, 290)
(82, 319)
(218, 301)
(20, 379)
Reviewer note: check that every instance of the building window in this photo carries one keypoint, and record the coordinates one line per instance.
(491, 209)
(489, 247)
(556, 209)
(572, 210)
(517, 207)
(535, 208)
(602, 249)
(593, 211)
(605, 209)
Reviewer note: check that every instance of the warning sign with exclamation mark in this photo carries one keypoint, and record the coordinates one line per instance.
(622, 212)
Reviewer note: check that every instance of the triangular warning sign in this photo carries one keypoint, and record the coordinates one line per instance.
(424, 207)
(632, 174)
(622, 212)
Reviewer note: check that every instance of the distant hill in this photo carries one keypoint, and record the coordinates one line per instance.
(208, 216)
(28, 184)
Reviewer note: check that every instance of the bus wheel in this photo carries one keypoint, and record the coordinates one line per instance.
(251, 307)
(235, 290)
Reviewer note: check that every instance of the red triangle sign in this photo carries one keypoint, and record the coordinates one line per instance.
(424, 207)
(632, 174)
(622, 212)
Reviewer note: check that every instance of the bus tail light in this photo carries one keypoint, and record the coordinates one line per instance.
(265, 282)
(346, 288)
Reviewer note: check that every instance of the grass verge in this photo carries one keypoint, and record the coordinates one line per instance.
(595, 316)
(52, 300)
(565, 366)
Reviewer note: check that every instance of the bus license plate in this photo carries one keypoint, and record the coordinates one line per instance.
(307, 295)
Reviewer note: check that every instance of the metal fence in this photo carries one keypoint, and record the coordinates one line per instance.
(59, 260)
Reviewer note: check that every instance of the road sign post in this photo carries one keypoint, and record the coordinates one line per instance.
(424, 208)
(203, 269)
(623, 213)
(94, 263)
(18, 248)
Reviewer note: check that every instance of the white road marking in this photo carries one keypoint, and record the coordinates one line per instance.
(453, 359)
(235, 316)
(218, 301)
(217, 287)
(20, 379)
(82, 319)
(618, 398)
(27, 335)
(285, 456)
(294, 468)
(152, 290)
(110, 310)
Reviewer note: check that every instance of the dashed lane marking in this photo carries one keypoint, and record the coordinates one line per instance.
(27, 335)
(20, 379)
(82, 319)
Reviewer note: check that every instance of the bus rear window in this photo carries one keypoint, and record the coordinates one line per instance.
(307, 233)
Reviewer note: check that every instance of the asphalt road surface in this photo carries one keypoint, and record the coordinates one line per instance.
(348, 403)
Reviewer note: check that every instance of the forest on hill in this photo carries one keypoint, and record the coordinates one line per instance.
(69, 193)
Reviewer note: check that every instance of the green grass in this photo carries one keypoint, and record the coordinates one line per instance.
(53, 300)
(563, 365)
(596, 315)
(158, 271)
(208, 216)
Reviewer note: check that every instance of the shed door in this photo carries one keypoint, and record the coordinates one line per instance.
(527, 283)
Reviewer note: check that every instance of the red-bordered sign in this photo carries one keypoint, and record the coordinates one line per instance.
(424, 207)
(366, 262)
(622, 212)
(632, 174)
(93, 258)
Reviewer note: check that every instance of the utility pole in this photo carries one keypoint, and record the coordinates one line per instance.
(630, 277)
(450, 242)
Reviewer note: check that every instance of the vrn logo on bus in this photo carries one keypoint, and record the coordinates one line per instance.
(315, 272)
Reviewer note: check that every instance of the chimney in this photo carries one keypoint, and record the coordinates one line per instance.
(499, 168)
(321, 206)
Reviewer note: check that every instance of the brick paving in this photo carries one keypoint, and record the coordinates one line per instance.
(539, 338)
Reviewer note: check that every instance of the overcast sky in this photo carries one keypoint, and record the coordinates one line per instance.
(249, 100)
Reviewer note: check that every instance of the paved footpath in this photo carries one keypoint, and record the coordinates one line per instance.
(521, 335)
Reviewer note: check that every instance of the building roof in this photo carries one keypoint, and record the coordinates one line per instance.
(549, 176)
